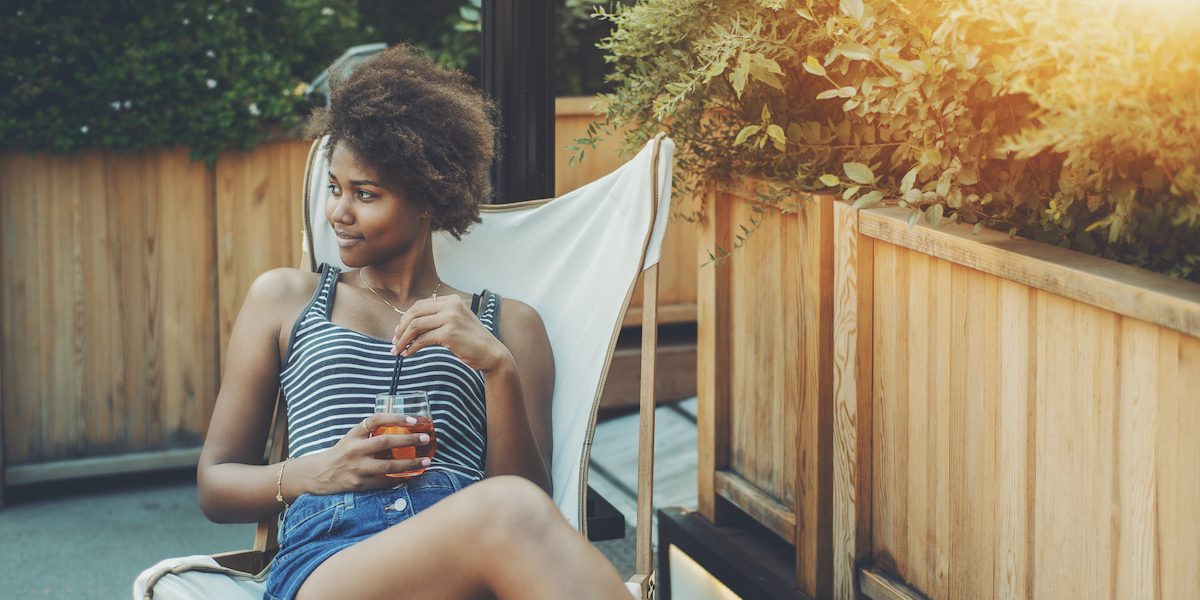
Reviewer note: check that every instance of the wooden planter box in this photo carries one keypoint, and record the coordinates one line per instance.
(927, 412)
(1012, 419)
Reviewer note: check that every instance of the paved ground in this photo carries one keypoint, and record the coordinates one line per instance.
(90, 539)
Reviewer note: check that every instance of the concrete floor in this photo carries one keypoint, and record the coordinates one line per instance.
(91, 538)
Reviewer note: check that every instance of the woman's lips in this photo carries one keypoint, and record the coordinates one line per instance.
(346, 241)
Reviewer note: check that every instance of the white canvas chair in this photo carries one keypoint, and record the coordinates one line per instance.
(576, 260)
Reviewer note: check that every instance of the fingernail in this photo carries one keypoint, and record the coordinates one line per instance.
(425, 462)
(410, 420)
(424, 437)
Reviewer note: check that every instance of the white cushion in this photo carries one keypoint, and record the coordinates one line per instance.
(198, 578)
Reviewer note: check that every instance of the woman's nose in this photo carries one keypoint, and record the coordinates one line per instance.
(341, 211)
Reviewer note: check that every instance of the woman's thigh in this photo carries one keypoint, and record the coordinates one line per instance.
(452, 550)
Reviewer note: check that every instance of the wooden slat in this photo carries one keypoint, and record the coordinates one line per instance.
(98, 276)
(1016, 447)
(889, 411)
(1123, 289)
(852, 317)
(21, 391)
(1096, 342)
(878, 585)
(1138, 548)
(763, 508)
(974, 306)
(813, 458)
(644, 562)
(1178, 445)
(1057, 433)
(712, 370)
(920, 363)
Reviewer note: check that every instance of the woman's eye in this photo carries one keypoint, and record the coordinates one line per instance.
(364, 194)
(333, 189)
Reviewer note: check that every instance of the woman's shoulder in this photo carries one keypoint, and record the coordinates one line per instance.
(519, 320)
(283, 286)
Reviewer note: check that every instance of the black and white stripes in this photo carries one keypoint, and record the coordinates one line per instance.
(331, 375)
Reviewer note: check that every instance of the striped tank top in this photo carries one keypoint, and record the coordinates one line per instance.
(331, 375)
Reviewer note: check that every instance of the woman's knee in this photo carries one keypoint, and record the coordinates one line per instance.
(516, 508)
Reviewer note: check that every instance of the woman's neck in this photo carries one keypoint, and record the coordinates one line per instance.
(412, 275)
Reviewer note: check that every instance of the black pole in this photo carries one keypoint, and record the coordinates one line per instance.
(517, 53)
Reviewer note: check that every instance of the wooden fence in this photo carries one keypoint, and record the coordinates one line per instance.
(121, 278)
(926, 413)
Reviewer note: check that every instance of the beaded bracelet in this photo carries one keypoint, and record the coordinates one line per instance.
(279, 484)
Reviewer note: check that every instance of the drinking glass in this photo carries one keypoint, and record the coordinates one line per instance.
(412, 403)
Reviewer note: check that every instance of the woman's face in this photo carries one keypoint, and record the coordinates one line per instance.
(373, 224)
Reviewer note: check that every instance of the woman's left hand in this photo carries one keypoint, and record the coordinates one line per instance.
(448, 321)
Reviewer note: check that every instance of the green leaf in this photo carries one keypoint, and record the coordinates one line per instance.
(850, 192)
(978, 227)
(829, 94)
(894, 61)
(812, 65)
(847, 92)
(853, 8)
(746, 132)
(804, 12)
(968, 176)
(854, 51)
(776, 133)
(830, 180)
(869, 199)
(795, 134)
(934, 215)
(859, 173)
(909, 179)
(913, 216)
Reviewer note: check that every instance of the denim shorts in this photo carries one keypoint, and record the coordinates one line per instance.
(317, 527)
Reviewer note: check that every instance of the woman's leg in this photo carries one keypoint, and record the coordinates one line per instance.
(502, 536)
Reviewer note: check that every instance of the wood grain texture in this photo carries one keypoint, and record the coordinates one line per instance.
(879, 585)
(772, 514)
(814, 411)
(1125, 290)
(1059, 428)
(259, 220)
(889, 411)
(644, 562)
(973, 415)
(1138, 576)
(852, 312)
(712, 369)
(109, 297)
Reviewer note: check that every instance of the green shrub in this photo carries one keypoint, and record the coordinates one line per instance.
(126, 75)
(1073, 122)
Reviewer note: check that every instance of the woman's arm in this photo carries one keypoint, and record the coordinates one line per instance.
(518, 375)
(520, 428)
(234, 484)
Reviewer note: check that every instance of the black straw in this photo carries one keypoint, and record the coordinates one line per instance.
(396, 374)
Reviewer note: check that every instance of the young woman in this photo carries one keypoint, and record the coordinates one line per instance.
(410, 146)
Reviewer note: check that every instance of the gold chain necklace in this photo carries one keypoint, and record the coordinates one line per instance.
(369, 287)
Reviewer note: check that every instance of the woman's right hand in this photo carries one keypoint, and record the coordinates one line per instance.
(351, 465)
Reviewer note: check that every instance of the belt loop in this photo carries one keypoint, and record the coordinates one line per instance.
(348, 500)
